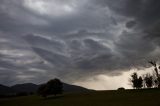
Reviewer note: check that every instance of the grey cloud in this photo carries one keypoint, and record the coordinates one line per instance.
(19, 18)
(145, 11)
(52, 44)
(135, 50)
(130, 24)
(56, 59)
(97, 36)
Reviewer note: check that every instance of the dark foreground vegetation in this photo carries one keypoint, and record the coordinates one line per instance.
(142, 97)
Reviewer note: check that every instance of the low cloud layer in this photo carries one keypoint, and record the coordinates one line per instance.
(74, 39)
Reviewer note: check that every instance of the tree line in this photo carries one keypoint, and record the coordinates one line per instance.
(147, 80)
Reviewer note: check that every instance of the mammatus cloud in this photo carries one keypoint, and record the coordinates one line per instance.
(42, 39)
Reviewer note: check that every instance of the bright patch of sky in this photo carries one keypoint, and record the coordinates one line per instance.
(53, 8)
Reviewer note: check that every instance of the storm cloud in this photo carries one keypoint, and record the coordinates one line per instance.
(74, 39)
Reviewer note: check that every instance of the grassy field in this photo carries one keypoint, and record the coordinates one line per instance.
(96, 98)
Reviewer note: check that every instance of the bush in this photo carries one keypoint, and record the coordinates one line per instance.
(121, 89)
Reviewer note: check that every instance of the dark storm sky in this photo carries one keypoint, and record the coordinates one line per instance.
(75, 39)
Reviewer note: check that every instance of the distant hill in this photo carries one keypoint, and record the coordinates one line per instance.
(6, 90)
(73, 88)
(26, 87)
(30, 87)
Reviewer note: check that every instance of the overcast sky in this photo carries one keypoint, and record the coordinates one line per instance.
(85, 42)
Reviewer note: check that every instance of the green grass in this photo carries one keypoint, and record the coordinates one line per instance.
(102, 98)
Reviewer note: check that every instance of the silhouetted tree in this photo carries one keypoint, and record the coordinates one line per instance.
(137, 82)
(148, 81)
(156, 69)
(134, 78)
(140, 82)
(52, 87)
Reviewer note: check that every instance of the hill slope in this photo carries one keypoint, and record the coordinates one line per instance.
(27, 87)
(5, 90)
(30, 87)
(73, 88)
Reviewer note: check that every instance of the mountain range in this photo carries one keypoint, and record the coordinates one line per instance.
(30, 87)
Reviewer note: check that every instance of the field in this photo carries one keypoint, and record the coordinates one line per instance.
(96, 98)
